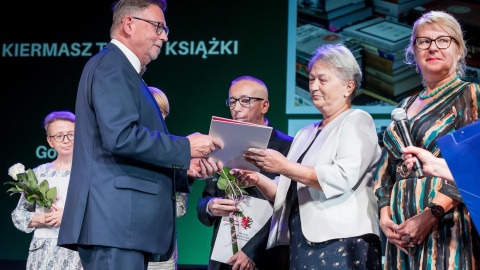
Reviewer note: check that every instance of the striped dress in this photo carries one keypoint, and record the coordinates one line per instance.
(453, 242)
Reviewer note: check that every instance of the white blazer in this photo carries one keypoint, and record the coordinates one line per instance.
(345, 156)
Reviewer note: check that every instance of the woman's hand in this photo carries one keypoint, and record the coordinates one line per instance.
(245, 178)
(390, 229)
(431, 165)
(54, 218)
(249, 178)
(267, 159)
(417, 228)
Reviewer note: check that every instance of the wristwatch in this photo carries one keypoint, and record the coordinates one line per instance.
(436, 210)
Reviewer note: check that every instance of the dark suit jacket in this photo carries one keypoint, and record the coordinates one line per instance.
(255, 249)
(125, 164)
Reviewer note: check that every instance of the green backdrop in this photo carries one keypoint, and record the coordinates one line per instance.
(45, 45)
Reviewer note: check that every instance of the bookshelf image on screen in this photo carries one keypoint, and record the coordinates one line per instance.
(309, 27)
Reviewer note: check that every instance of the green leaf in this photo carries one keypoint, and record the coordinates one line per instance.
(34, 193)
(10, 183)
(222, 183)
(51, 194)
(31, 198)
(22, 177)
(19, 187)
(13, 191)
(45, 203)
(239, 213)
(229, 184)
(43, 186)
(31, 176)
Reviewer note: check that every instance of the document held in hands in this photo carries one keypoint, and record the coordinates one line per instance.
(237, 137)
(256, 211)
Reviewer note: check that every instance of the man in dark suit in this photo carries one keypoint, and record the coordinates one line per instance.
(120, 206)
(248, 102)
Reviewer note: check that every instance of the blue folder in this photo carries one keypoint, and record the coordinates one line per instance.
(461, 150)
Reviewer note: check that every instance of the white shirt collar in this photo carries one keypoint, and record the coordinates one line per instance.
(129, 54)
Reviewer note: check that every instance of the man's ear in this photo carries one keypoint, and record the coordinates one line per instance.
(265, 106)
(127, 25)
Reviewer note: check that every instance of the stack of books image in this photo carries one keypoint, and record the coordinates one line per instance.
(395, 10)
(384, 70)
(309, 38)
(333, 15)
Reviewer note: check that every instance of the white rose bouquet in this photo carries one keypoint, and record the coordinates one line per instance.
(26, 182)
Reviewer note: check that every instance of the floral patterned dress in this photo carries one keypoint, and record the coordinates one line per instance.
(453, 242)
(44, 254)
(171, 264)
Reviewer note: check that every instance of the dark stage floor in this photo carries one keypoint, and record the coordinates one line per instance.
(20, 265)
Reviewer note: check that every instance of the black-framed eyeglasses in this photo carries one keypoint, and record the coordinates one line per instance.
(159, 25)
(442, 42)
(164, 113)
(61, 137)
(244, 101)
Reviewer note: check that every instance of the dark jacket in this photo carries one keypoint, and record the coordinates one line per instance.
(255, 249)
(122, 186)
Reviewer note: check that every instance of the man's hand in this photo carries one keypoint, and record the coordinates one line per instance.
(201, 146)
(203, 168)
(221, 207)
(240, 261)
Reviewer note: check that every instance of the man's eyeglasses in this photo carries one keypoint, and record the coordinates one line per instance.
(61, 137)
(442, 42)
(159, 25)
(244, 101)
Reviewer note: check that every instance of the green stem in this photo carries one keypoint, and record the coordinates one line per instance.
(233, 233)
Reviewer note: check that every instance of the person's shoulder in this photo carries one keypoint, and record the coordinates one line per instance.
(111, 50)
(354, 113)
(42, 168)
(473, 86)
(282, 136)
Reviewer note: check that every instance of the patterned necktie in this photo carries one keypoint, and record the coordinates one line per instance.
(143, 69)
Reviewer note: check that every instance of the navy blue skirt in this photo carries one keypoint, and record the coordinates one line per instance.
(353, 253)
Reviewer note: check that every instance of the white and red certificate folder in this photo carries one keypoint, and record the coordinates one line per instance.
(237, 137)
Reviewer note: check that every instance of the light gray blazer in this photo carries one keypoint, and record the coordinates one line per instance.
(345, 156)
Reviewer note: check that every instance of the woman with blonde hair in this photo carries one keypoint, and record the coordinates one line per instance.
(181, 198)
(423, 218)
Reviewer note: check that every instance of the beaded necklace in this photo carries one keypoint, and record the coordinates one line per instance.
(423, 96)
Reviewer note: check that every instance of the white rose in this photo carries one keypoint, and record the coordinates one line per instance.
(16, 169)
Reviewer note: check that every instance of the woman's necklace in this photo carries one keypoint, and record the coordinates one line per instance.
(423, 96)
